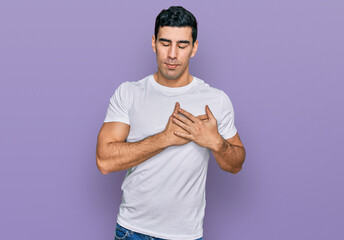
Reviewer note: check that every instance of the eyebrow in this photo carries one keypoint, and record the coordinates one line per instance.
(167, 40)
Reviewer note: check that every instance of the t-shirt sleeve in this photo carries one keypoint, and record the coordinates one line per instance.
(118, 109)
(226, 125)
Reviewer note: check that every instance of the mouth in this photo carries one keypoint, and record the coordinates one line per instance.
(171, 66)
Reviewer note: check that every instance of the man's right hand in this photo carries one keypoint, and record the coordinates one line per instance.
(170, 138)
(114, 154)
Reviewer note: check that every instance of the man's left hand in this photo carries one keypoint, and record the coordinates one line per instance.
(202, 132)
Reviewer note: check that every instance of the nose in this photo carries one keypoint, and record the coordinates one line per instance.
(173, 51)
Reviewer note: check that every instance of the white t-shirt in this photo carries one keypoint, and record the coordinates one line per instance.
(164, 196)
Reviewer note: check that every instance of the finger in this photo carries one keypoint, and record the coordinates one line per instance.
(203, 117)
(175, 110)
(182, 119)
(184, 135)
(188, 115)
(181, 124)
(208, 111)
(176, 107)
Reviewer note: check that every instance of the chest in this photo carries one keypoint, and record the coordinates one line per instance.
(149, 116)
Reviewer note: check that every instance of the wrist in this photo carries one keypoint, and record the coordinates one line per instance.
(162, 140)
(217, 143)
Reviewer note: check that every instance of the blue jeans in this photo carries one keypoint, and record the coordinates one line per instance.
(126, 234)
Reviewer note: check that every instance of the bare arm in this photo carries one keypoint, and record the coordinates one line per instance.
(114, 154)
(229, 154)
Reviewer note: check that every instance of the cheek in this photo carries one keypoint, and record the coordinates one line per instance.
(185, 57)
(160, 54)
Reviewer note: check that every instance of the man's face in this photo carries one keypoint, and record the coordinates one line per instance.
(173, 48)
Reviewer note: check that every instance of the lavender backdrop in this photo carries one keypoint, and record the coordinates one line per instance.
(281, 62)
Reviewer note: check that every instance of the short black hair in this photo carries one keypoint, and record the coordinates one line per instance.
(176, 16)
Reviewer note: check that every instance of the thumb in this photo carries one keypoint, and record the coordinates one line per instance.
(176, 107)
(208, 112)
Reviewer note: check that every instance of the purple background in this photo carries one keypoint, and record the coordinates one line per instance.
(281, 63)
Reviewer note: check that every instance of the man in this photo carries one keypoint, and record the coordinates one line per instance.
(161, 129)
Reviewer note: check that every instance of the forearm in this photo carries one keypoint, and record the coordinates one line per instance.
(117, 156)
(229, 157)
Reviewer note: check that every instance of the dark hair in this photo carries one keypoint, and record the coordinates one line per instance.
(176, 16)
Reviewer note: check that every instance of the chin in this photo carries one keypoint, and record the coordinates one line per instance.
(172, 75)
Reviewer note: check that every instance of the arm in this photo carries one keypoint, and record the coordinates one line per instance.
(114, 154)
(229, 154)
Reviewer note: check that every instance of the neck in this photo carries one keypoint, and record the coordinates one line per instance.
(183, 80)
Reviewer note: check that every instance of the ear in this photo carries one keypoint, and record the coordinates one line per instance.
(194, 48)
(153, 44)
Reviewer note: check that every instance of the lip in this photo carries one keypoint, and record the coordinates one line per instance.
(172, 66)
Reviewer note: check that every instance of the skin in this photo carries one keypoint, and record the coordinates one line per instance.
(229, 153)
(173, 48)
(114, 154)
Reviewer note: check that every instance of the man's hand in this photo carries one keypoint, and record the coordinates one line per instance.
(170, 137)
(202, 132)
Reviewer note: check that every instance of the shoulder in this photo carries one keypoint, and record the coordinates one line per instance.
(126, 91)
(134, 85)
(206, 87)
(219, 95)
(130, 88)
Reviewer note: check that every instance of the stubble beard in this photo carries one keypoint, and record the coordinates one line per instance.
(164, 71)
(172, 74)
